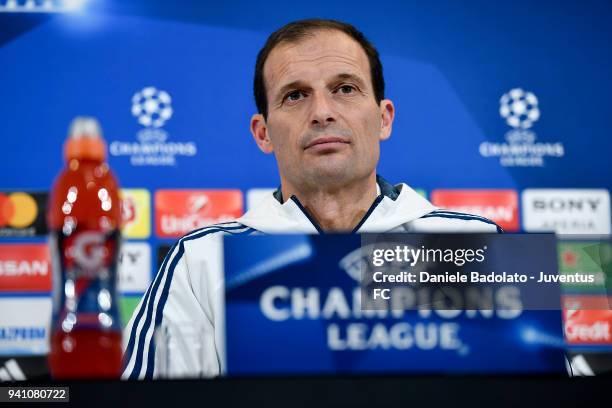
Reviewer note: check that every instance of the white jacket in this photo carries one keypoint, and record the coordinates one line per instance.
(187, 293)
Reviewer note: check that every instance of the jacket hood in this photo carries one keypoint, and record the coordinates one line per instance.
(394, 206)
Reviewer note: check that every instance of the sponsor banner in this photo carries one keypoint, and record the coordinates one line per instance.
(566, 211)
(178, 212)
(301, 290)
(24, 325)
(134, 267)
(588, 320)
(136, 213)
(23, 368)
(127, 305)
(255, 196)
(587, 258)
(583, 364)
(500, 206)
(22, 214)
(25, 268)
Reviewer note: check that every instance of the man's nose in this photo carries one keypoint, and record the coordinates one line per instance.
(322, 113)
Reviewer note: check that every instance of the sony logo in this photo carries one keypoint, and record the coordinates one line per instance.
(558, 204)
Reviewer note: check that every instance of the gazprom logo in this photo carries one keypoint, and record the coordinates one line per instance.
(13, 333)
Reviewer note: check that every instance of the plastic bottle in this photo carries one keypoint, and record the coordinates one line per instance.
(84, 219)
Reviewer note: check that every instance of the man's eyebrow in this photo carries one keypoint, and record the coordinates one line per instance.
(349, 77)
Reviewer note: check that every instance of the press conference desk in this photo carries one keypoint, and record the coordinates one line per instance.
(477, 391)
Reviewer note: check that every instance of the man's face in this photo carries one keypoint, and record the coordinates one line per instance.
(324, 125)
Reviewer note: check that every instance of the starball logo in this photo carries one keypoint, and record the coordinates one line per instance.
(520, 109)
(152, 108)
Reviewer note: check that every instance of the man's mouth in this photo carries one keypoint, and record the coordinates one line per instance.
(326, 141)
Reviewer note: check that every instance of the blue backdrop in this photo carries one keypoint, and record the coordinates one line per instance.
(446, 64)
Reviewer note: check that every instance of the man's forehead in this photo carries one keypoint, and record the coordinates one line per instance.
(324, 47)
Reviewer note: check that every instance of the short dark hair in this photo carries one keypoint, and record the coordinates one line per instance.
(298, 30)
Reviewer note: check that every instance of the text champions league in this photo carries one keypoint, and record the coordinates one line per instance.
(422, 317)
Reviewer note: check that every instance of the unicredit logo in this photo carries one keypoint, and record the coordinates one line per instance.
(178, 212)
(173, 225)
(588, 320)
(597, 331)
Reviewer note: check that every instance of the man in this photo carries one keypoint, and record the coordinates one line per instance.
(319, 90)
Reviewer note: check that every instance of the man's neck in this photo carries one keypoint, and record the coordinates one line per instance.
(337, 209)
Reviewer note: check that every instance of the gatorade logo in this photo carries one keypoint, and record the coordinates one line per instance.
(21, 214)
(90, 253)
(88, 250)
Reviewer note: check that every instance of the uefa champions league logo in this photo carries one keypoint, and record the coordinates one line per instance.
(521, 110)
(152, 107)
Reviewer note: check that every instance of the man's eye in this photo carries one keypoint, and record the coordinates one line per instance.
(294, 96)
(346, 89)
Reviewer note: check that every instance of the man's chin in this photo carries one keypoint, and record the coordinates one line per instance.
(332, 173)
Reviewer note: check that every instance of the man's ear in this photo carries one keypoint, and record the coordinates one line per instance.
(387, 111)
(259, 129)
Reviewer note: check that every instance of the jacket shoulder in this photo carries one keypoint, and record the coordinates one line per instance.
(453, 221)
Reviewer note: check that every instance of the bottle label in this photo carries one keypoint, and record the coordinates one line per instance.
(85, 287)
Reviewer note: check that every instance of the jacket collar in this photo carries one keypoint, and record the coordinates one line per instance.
(395, 205)
(382, 187)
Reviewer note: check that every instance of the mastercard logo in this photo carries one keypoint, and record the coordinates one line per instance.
(17, 210)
